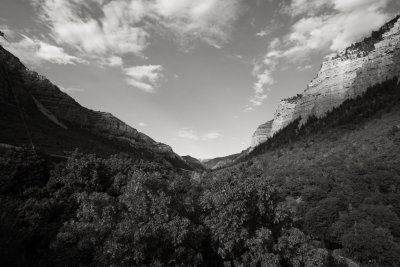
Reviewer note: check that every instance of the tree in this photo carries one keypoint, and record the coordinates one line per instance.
(370, 245)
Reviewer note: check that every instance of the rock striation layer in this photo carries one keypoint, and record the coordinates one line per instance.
(344, 75)
(262, 134)
(21, 88)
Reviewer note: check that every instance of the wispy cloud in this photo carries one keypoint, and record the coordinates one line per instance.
(72, 23)
(211, 136)
(319, 26)
(209, 21)
(262, 86)
(330, 25)
(36, 52)
(190, 134)
(106, 31)
(142, 124)
(70, 89)
(301, 7)
(145, 78)
(54, 54)
(269, 29)
(248, 108)
(125, 26)
(262, 33)
(113, 61)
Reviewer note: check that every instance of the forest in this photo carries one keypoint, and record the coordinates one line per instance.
(326, 193)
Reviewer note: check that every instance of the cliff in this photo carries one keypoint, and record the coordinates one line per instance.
(342, 76)
(262, 134)
(42, 105)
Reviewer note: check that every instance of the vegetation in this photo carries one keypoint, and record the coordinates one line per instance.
(308, 197)
(363, 48)
(293, 99)
(350, 114)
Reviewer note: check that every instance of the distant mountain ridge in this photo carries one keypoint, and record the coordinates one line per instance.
(221, 162)
(195, 163)
(59, 123)
(343, 76)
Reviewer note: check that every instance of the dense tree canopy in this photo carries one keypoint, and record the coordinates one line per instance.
(310, 198)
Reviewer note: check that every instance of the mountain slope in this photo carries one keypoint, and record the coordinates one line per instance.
(342, 76)
(32, 106)
(339, 176)
(195, 163)
(221, 162)
(323, 194)
(311, 198)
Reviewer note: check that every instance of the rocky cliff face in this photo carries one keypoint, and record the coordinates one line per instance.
(342, 76)
(65, 113)
(262, 134)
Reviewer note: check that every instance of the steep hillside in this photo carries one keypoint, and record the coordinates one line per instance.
(377, 100)
(340, 177)
(327, 194)
(342, 76)
(195, 163)
(34, 109)
(221, 162)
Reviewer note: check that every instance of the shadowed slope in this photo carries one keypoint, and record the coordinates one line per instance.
(32, 105)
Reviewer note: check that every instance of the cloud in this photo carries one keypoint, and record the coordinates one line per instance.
(35, 52)
(269, 29)
(209, 21)
(332, 25)
(211, 136)
(248, 108)
(346, 6)
(145, 78)
(304, 67)
(107, 30)
(99, 28)
(55, 54)
(308, 7)
(264, 80)
(70, 89)
(7, 31)
(112, 30)
(262, 33)
(142, 124)
(320, 26)
(190, 134)
(114, 61)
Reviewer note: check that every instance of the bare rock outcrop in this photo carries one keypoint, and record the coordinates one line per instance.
(262, 134)
(345, 75)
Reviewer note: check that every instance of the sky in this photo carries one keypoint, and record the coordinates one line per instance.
(198, 75)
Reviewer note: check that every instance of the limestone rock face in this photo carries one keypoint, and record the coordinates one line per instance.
(262, 134)
(345, 75)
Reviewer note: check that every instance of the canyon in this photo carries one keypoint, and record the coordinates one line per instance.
(58, 123)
